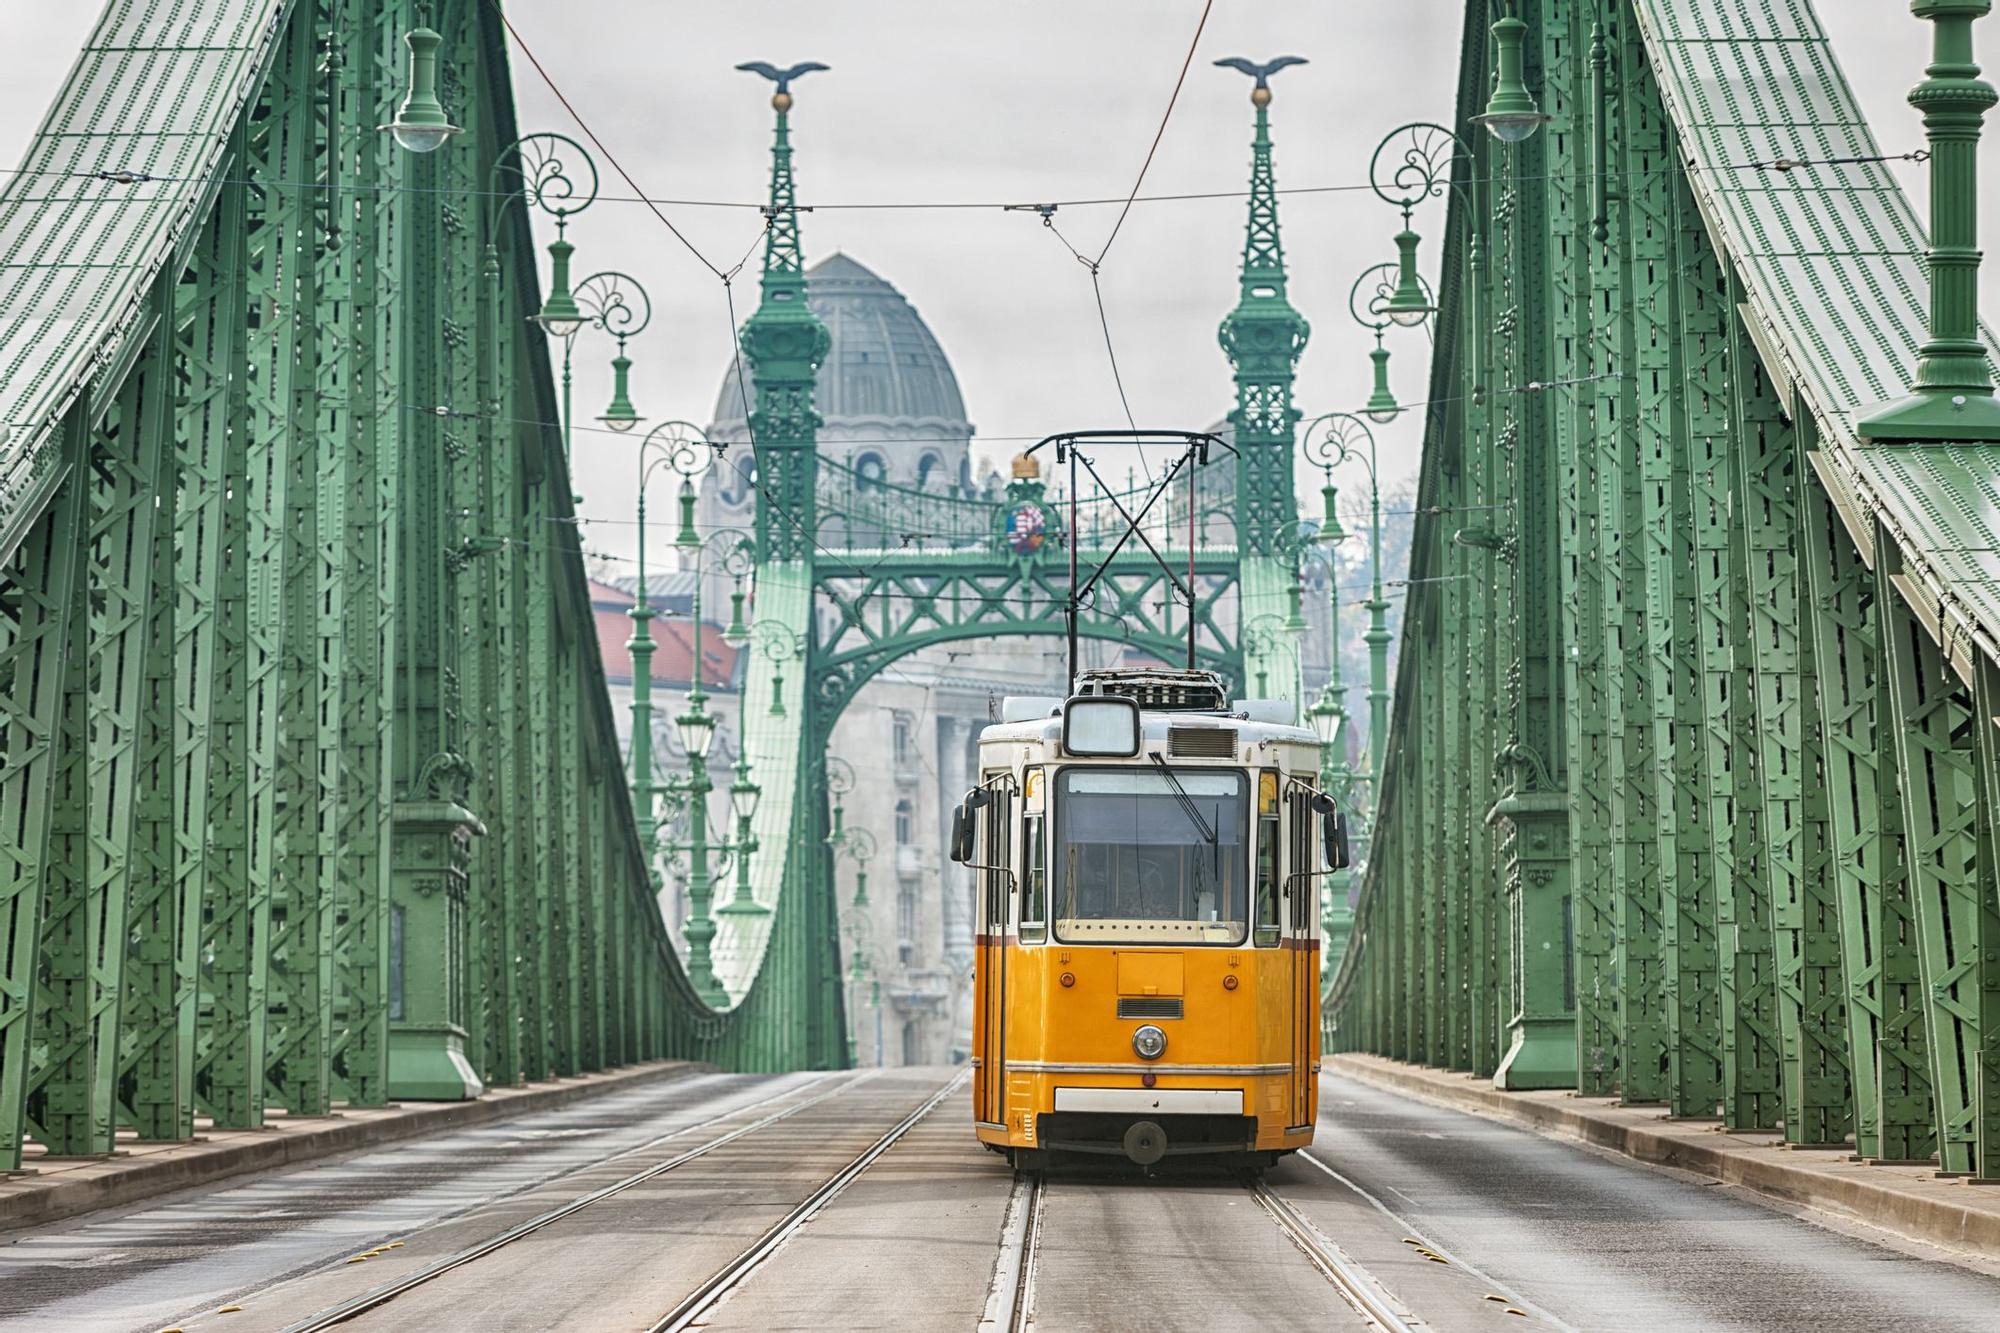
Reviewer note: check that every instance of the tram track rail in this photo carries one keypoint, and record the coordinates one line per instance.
(733, 1274)
(1353, 1281)
(377, 1297)
(1010, 1301)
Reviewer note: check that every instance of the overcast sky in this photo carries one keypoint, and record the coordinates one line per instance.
(945, 100)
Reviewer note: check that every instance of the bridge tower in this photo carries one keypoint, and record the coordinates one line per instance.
(783, 345)
(1263, 337)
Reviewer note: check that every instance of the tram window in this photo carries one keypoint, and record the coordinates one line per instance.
(1034, 881)
(999, 884)
(1144, 855)
(1270, 870)
(1300, 850)
(1267, 879)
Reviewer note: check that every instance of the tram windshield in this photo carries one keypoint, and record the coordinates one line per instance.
(1154, 855)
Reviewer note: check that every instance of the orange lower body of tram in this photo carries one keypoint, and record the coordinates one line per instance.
(1055, 1069)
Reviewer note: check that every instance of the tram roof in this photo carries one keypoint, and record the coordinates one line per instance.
(1153, 725)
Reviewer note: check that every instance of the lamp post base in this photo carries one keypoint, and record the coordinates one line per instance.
(1935, 417)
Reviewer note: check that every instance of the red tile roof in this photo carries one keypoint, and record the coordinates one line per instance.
(673, 644)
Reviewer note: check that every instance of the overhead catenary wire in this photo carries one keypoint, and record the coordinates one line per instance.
(129, 177)
(1172, 101)
(597, 143)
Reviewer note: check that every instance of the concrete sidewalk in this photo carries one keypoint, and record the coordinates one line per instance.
(1909, 1200)
(52, 1188)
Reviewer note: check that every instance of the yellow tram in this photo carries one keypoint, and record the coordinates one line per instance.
(1147, 966)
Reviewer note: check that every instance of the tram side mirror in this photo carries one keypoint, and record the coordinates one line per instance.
(961, 835)
(964, 825)
(1336, 840)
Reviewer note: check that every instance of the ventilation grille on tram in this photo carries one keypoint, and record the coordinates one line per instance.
(1150, 1006)
(1201, 742)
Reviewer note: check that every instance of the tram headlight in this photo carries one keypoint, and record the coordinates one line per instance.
(1149, 1042)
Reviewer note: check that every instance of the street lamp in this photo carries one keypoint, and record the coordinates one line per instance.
(1263, 638)
(839, 782)
(663, 445)
(1368, 303)
(1511, 114)
(696, 727)
(618, 305)
(544, 177)
(421, 125)
(778, 644)
(744, 796)
(1332, 441)
(1326, 718)
(860, 848)
(560, 317)
(610, 302)
(1413, 163)
(681, 447)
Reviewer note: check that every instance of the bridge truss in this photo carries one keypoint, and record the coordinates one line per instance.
(1691, 783)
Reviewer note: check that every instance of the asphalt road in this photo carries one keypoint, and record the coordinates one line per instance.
(1459, 1223)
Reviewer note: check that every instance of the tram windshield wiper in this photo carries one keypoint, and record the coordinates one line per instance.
(1188, 807)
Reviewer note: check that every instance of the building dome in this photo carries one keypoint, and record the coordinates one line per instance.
(885, 376)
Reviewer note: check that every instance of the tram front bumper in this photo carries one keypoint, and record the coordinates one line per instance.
(1163, 1122)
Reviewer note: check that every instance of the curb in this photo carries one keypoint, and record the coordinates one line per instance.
(163, 1169)
(1898, 1199)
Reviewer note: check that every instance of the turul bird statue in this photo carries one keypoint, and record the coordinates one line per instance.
(1262, 73)
(782, 77)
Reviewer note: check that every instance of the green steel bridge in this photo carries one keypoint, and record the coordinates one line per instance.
(310, 787)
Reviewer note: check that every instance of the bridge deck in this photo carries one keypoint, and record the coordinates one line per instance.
(688, 1175)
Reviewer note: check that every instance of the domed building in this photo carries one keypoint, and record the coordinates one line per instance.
(889, 403)
(892, 415)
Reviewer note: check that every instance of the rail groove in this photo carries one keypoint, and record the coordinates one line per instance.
(732, 1274)
(1010, 1302)
(380, 1296)
(1353, 1281)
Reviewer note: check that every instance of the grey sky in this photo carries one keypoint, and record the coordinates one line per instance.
(947, 100)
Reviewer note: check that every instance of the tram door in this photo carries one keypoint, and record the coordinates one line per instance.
(1303, 904)
(994, 900)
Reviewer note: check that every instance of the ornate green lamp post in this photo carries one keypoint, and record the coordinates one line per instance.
(1265, 637)
(1368, 302)
(777, 644)
(697, 732)
(1511, 114)
(1952, 398)
(744, 795)
(1411, 165)
(679, 446)
(1333, 441)
(421, 125)
(839, 782)
(859, 846)
(609, 302)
